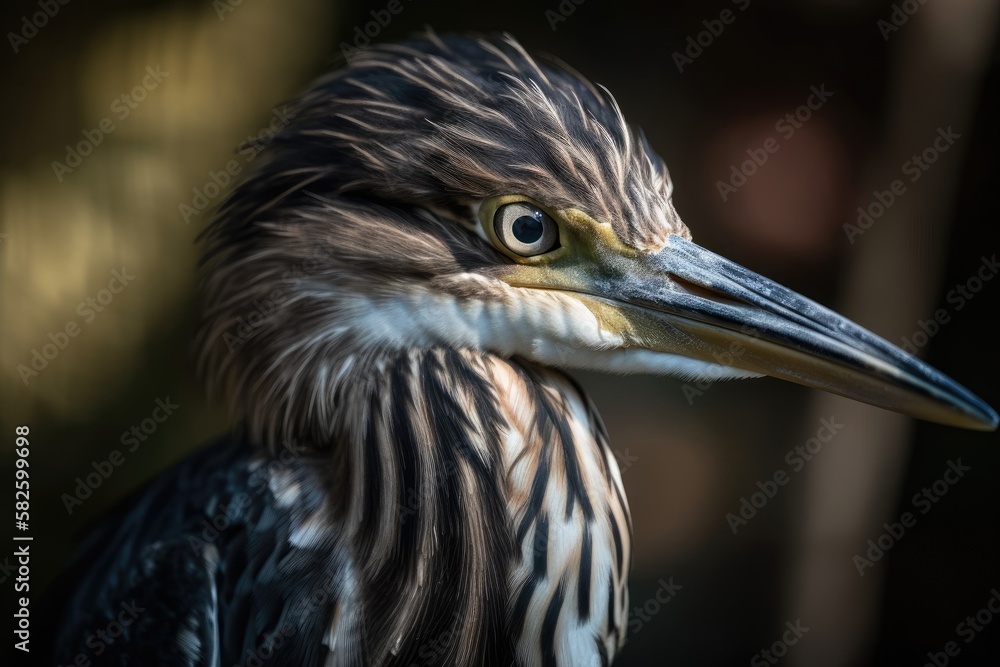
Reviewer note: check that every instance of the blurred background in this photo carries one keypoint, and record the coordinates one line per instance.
(122, 118)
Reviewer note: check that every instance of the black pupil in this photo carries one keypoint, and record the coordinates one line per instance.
(527, 229)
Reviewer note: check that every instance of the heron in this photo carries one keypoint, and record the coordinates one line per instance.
(445, 225)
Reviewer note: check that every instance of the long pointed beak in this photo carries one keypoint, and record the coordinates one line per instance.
(710, 306)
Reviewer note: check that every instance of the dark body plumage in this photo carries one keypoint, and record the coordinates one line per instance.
(188, 557)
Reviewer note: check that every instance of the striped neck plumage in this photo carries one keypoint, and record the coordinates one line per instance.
(485, 514)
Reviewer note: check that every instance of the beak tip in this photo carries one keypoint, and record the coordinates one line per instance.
(966, 409)
(990, 419)
(976, 415)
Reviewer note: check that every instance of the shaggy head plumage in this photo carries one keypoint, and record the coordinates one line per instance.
(372, 191)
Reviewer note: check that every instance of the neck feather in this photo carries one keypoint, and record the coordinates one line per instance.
(484, 511)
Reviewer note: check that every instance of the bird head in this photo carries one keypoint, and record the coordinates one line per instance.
(458, 192)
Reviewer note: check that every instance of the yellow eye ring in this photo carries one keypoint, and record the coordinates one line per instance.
(525, 229)
(522, 228)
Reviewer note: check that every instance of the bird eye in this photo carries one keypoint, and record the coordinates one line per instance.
(525, 229)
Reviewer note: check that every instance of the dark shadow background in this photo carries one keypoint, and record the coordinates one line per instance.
(688, 457)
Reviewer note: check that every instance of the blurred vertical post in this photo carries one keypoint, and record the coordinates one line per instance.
(938, 59)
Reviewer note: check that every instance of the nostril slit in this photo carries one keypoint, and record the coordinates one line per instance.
(707, 292)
